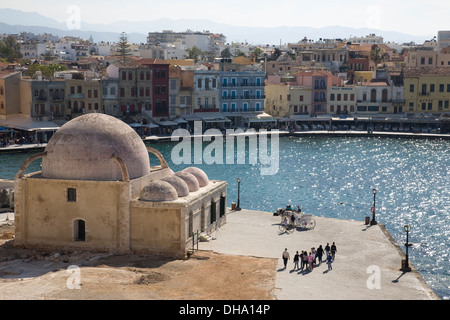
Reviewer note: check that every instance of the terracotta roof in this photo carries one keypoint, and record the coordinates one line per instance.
(420, 72)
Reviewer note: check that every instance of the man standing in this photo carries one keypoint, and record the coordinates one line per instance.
(286, 257)
(333, 250)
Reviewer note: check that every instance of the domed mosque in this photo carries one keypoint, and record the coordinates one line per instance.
(97, 190)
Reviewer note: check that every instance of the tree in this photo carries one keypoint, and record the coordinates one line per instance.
(257, 52)
(194, 53)
(123, 47)
(47, 71)
(375, 55)
(226, 53)
(10, 49)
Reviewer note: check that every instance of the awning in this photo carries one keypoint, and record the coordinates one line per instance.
(212, 119)
(167, 123)
(151, 125)
(135, 125)
(284, 119)
(22, 122)
(263, 117)
(180, 120)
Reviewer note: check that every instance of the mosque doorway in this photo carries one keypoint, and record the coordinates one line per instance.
(79, 228)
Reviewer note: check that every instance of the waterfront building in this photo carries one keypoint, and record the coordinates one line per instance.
(143, 86)
(241, 88)
(98, 191)
(318, 81)
(110, 97)
(427, 90)
(341, 100)
(285, 100)
(9, 93)
(205, 96)
(83, 96)
(47, 98)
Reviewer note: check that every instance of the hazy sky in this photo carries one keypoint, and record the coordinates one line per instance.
(418, 17)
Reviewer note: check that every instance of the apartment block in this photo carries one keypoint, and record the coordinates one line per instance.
(427, 90)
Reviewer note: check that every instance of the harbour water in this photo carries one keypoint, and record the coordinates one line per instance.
(334, 177)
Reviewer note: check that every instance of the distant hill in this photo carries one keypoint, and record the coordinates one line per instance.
(15, 21)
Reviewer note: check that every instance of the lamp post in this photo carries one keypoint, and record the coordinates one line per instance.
(406, 267)
(373, 222)
(238, 207)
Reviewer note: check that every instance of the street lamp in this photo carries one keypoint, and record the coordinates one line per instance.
(406, 267)
(239, 191)
(373, 222)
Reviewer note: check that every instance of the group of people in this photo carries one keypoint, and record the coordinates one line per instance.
(308, 260)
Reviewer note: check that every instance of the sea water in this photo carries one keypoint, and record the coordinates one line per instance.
(334, 177)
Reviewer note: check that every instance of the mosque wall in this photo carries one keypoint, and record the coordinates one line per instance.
(51, 209)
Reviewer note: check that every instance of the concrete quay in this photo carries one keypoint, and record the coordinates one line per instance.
(366, 266)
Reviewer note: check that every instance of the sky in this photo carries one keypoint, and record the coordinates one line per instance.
(416, 17)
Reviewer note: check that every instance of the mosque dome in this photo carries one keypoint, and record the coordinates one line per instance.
(179, 185)
(84, 149)
(158, 190)
(201, 176)
(190, 180)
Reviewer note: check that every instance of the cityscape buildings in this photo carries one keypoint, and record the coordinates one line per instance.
(228, 85)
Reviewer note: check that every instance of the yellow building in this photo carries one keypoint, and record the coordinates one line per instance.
(427, 90)
(83, 96)
(97, 191)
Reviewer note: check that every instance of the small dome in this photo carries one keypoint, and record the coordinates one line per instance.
(179, 185)
(201, 176)
(190, 180)
(84, 147)
(158, 191)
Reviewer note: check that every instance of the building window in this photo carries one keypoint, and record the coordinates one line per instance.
(71, 195)
(431, 87)
(79, 230)
(411, 88)
(213, 212)
(424, 89)
(411, 106)
(441, 88)
(373, 95)
(222, 206)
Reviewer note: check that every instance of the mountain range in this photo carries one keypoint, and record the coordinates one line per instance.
(16, 21)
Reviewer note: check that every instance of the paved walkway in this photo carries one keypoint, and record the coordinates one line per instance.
(366, 266)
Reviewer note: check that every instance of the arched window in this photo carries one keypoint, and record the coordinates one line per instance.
(384, 95)
(79, 230)
(373, 95)
(322, 84)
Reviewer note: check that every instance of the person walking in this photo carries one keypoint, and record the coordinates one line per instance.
(296, 259)
(285, 257)
(333, 250)
(329, 260)
(310, 261)
(320, 253)
(327, 249)
(304, 260)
